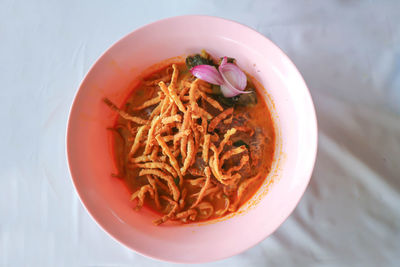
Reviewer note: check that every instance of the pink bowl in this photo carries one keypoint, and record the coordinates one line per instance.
(89, 145)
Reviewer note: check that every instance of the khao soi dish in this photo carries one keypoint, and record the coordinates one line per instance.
(195, 140)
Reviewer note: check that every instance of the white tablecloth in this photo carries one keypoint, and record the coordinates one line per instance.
(349, 54)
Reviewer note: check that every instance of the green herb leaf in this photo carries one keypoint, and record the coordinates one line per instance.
(176, 180)
(193, 61)
(229, 60)
(227, 101)
(216, 89)
(248, 100)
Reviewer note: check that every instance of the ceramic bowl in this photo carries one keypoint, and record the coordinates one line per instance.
(89, 144)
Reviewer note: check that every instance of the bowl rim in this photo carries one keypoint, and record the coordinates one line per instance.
(308, 173)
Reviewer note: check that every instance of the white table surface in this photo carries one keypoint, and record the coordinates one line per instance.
(349, 54)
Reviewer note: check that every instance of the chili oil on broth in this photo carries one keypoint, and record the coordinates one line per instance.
(259, 119)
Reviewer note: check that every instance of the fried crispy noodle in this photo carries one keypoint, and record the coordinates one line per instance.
(242, 188)
(170, 92)
(190, 155)
(123, 114)
(207, 172)
(176, 153)
(214, 164)
(187, 119)
(136, 142)
(187, 214)
(184, 91)
(165, 103)
(156, 111)
(161, 185)
(183, 197)
(140, 159)
(141, 194)
(158, 165)
(185, 126)
(174, 78)
(193, 104)
(232, 179)
(227, 135)
(174, 110)
(171, 184)
(184, 146)
(202, 113)
(164, 129)
(171, 119)
(174, 209)
(208, 192)
(245, 129)
(177, 126)
(168, 138)
(165, 78)
(231, 153)
(146, 159)
(178, 136)
(204, 125)
(223, 115)
(164, 89)
(200, 130)
(185, 98)
(212, 101)
(148, 103)
(196, 182)
(205, 209)
(154, 153)
(243, 161)
(195, 172)
(167, 109)
(205, 89)
(203, 85)
(187, 83)
(206, 147)
(153, 184)
(214, 138)
(168, 153)
(228, 120)
(217, 171)
(176, 143)
(196, 134)
(185, 79)
(150, 136)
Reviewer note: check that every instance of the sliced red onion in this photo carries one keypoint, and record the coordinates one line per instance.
(233, 76)
(229, 76)
(207, 73)
(230, 91)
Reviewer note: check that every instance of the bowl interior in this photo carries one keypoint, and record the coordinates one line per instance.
(89, 145)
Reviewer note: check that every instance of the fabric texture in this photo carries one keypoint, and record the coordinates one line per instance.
(349, 54)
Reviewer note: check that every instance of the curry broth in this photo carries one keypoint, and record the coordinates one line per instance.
(259, 119)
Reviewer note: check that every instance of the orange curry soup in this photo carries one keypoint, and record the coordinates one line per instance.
(187, 152)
